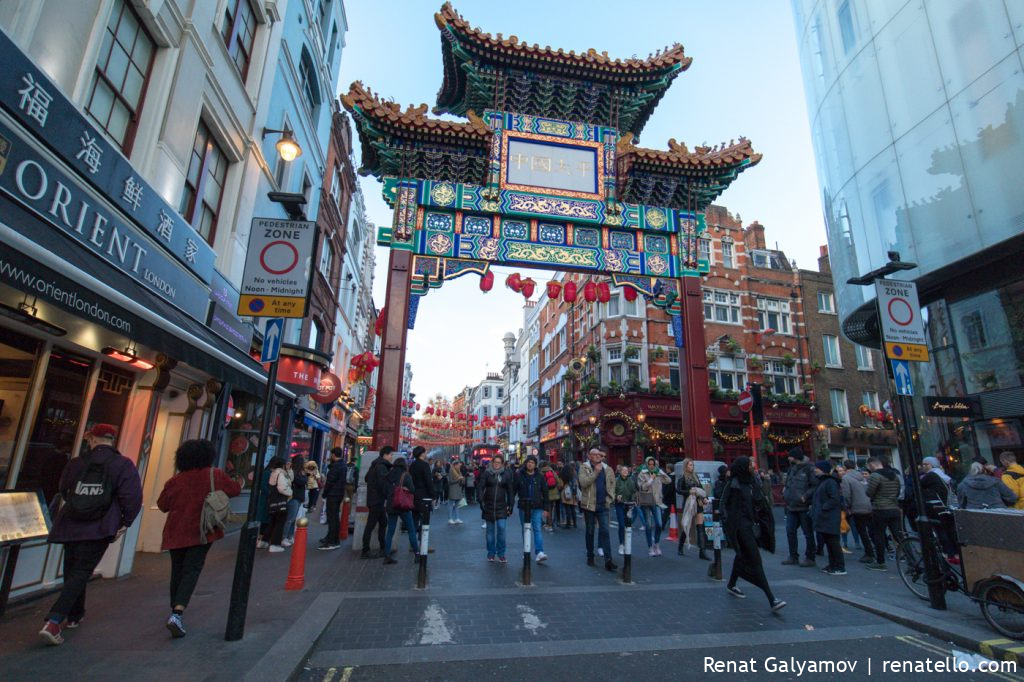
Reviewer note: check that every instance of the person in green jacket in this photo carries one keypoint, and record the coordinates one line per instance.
(625, 493)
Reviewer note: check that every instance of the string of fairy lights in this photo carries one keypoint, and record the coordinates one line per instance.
(733, 438)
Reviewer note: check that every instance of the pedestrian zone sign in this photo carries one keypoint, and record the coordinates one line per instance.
(900, 316)
(901, 375)
(278, 268)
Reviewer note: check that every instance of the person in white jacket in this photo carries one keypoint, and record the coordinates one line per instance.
(281, 477)
(650, 480)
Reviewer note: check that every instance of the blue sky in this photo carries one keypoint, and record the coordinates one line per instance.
(744, 80)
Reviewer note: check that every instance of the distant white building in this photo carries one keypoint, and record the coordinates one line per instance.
(488, 402)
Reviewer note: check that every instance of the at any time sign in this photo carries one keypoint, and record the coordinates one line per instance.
(278, 268)
(900, 316)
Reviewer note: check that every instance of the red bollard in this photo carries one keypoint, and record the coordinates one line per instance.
(345, 508)
(297, 569)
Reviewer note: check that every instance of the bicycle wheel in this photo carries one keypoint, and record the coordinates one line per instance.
(910, 565)
(1002, 604)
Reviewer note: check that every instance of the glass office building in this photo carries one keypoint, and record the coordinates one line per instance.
(917, 116)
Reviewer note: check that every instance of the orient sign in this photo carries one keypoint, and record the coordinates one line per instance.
(329, 389)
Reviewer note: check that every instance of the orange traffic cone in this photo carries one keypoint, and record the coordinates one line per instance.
(297, 569)
(673, 526)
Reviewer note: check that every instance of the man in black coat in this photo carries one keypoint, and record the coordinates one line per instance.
(333, 494)
(377, 492)
(798, 493)
(423, 480)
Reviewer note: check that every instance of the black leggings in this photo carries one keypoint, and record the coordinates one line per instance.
(747, 564)
(186, 565)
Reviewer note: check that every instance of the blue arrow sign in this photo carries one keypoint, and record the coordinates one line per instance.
(901, 373)
(272, 334)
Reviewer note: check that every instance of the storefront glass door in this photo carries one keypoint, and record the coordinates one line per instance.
(18, 357)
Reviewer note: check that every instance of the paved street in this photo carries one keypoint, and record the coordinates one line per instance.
(360, 620)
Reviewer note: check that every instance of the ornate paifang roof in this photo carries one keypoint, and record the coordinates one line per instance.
(483, 72)
(679, 177)
(408, 143)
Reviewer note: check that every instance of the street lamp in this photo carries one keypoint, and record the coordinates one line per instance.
(287, 147)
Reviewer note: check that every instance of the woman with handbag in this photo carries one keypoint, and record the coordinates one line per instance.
(744, 519)
(183, 500)
(456, 493)
(689, 486)
(649, 482)
(401, 501)
(280, 488)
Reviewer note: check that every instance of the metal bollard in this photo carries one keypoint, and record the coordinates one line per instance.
(421, 579)
(627, 546)
(527, 550)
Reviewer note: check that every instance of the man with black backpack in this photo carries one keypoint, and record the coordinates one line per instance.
(100, 494)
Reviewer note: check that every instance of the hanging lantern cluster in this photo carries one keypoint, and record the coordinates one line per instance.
(362, 365)
(382, 316)
(411, 405)
(593, 292)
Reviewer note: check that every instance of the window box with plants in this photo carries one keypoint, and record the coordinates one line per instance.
(632, 352)
(755, 364)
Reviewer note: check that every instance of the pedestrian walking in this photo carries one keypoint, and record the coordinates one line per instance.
(280, 493)
(335, 484)
(377, 492)
(100, 496)
(883, 490)
(554, 495)
(570, 494)
(651, 481)
(471, 476)
(456, 492)
(314, 481)
(979, 490)
(185, 538)
(693, 494)
(423, 481)
(826, 515)
(746, 519)
(1013, 476)
(597, 493)
(532, 494)
(797, 494)
(497, 494)
(398, 477)
(854, 489)
(298, 501)
(440, 483)
(625, 495)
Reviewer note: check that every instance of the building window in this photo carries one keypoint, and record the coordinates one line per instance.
(487, 391)
(845, 17)
(729, 372)
(326, 260)
(631, 308)
(239, 31)
(779, 377)
(704, 249)
(308, 81)
(501, 392)
(865, 359)
(122, 73)
(826, 302)
(315, 334)
(870, 400)
(204, 184)
(562, 345)
(721, 306)
(615, 353)
(673, 369)
(727, 254)
(773, 313)
(840, 413)
(973, 327)
(487, 411)
(830, 344)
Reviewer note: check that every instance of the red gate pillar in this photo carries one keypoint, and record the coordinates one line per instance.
(387, 422)
(693, 379)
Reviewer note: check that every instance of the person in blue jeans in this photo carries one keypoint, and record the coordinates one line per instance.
(399, 476)
(625, 494)
(532, 491)
(597, 486)
(496, 492)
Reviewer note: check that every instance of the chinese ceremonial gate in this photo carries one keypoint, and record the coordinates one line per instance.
(546, 176)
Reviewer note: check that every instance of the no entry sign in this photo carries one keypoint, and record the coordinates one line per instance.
(278, 268)
(745, 402)
(900, 316)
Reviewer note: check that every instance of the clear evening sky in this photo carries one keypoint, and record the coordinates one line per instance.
(744, 80)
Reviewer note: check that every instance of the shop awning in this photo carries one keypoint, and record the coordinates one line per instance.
(51, 259)
(314, 422)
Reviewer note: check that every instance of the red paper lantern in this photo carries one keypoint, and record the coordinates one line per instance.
(629, 293)
(378, 327)
(487, 281)
(514, 282)
(554, 288)
(569, 292)
(353, 375)
(528, 285)
(430, 409)
(590, 292)
(604, 294)
(417, 407)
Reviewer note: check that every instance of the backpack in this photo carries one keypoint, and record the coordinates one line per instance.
(549, 477)
(92, 493)
(215, 512)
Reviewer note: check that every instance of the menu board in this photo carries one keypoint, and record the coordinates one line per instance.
(22, 517)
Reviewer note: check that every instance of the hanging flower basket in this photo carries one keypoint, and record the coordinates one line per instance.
(788, 360)
(593, 354)
(632, 352)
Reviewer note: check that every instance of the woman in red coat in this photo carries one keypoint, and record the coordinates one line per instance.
(182, 500)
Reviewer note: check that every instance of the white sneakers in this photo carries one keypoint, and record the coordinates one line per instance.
(274, 549)
(541, 557)
(622, 549)
(600, 552)
(287, 543)
(262, 544)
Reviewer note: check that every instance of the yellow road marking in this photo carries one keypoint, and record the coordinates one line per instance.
(330, 674)
(986, 645)
(927, 646)
(346, 674)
